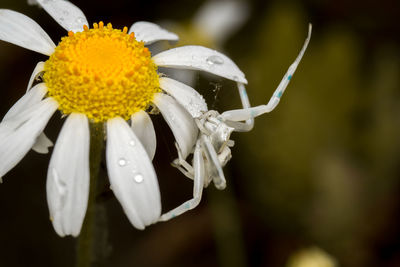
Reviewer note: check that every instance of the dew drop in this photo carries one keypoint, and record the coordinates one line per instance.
(132, 143)
(122, 162)
(215, 60)
(138, 178)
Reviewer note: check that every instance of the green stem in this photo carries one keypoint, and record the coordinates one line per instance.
(86, 241)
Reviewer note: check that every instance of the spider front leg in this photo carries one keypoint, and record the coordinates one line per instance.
(199, 173)
(181, 164)
(214, 168)
(232, 117)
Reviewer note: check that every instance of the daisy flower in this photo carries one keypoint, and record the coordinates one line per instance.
(108, 76)
(102, 75)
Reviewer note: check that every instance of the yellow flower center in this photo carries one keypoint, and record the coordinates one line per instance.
(101, 72)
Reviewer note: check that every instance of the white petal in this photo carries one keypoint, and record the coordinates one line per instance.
(220, 19)
(18, 29)
(142, 126)
(69, 16)
(149, 32)
(179, 120)
(22, 134)
(38, 69)
(42, 144)
(132, 175)
(30, 99)
(68, 176)
(200, 58)
(189, 98)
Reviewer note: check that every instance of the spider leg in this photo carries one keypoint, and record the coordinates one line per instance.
(249, 124)
(181, 164)
(237, 115)
(214, 165)
(199, 173)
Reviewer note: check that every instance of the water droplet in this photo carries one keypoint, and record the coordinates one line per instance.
(138, 178)
(122, 162)
(217, 60)
(132, 143)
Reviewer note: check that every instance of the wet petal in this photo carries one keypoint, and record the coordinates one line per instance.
(68, 176)
(179, 120)
(200, 58)
(31, 98)
(18, 29)
(69, 16)
(149, 32)
(189, 98)
(132, 176)
(142, 126)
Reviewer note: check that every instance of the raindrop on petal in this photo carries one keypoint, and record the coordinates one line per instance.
(215, 60)
(138, 178)
(122, 162)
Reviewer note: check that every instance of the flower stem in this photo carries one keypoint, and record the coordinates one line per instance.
(86, 241)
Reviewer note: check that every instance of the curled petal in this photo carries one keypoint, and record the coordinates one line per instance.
(19, 134)
(132, 176)
(200, 58)
(42, 144)
(68, 176)
(30, 99)
(149, 32)
(18, 29)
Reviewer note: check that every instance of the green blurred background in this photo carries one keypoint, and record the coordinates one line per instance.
(319, 177)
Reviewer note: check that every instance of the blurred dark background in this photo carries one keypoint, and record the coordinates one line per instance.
(317, 181)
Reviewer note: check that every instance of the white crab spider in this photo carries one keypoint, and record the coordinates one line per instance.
(212, 151)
